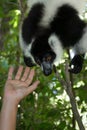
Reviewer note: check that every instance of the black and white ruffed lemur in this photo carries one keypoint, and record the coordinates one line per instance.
(50, 27)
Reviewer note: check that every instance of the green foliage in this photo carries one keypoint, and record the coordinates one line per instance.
(48, 108)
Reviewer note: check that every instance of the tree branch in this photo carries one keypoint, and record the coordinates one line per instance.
(21, 8)
(68, 88)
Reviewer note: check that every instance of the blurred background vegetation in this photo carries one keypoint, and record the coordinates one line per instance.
(48, 108)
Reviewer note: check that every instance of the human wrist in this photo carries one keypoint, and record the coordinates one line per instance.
(10, 101)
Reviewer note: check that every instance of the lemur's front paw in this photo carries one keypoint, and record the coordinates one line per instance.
(76, 64)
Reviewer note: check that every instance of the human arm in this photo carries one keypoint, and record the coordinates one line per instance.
(15, 90)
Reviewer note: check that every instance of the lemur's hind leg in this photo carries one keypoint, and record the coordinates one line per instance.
(79, 51)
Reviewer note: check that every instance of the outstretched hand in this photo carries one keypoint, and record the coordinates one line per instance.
(19, 87)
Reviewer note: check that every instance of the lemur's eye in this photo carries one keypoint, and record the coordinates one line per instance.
(48, 58)
(38, 62)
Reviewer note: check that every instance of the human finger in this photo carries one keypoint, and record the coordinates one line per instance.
(10, 73)
(19, 72)
(30, 77)
(32, 87)
(25, 75)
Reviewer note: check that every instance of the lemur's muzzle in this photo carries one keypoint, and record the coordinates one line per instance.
(46, 68)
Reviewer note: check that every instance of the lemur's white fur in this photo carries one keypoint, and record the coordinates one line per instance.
(56, 46)
(30, 3)
(25, 48)
(51, 7)
(78, 4)
(81, 46)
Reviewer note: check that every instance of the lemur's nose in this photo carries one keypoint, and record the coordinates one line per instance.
(47, 68)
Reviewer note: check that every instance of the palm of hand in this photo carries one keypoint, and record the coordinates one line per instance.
(19, 87)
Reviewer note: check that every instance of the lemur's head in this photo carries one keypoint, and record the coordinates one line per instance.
(40, 53)
(45, 50)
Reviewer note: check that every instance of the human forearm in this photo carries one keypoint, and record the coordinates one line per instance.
(8, 115)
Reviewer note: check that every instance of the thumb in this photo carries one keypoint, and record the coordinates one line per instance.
(32, 87)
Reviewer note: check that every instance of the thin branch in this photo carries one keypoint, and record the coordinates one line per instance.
(20, 5)
(21, 8)
(68, 88)
(72, 82)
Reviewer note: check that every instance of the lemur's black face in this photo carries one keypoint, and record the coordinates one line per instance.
(42, 54)
(45, 60)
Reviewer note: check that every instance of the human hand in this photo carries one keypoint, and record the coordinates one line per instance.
(19, 87)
